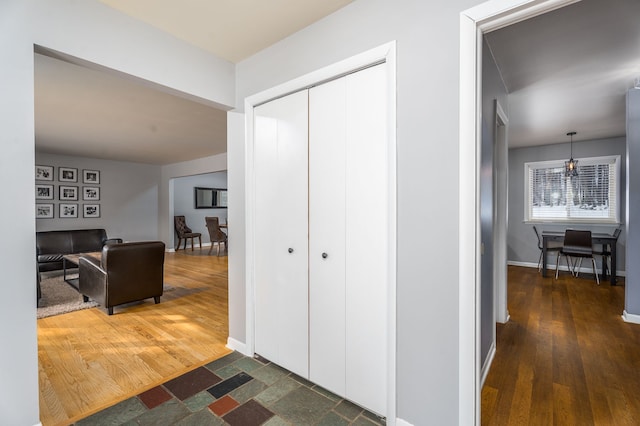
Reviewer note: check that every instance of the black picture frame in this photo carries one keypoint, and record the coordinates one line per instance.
(44, 192)
(44, 173)
(91, 176)
(90, 193)
(68, 193)
(67, 174)
(90, 210)
(68, 210)
(44, 211)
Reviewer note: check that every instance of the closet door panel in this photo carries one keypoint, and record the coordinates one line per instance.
(367, 201)
(327, 127)
(281, 224)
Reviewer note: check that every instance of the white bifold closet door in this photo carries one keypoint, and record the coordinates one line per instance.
(348, 240)
(281, 237)
(321, 240)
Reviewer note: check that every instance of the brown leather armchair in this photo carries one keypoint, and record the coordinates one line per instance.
(126, 272)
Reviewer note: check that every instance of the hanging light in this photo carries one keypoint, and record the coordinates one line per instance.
(571, 166)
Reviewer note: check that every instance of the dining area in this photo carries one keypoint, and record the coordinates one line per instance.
(576, 245)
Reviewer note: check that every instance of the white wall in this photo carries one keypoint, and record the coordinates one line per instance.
(183, 201)
(427, 35)
(91, 31)
(128, 197)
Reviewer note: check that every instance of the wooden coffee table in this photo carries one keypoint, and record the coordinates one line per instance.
(72, 261)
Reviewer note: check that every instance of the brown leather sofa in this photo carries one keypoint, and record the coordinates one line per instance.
(126, 272)
(52, 245)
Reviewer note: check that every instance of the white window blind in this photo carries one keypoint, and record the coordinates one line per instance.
(592, 196)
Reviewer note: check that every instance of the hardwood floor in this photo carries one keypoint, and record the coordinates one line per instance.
(566, 357)
(89, 360)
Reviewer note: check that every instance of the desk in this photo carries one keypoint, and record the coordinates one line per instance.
(606, 240)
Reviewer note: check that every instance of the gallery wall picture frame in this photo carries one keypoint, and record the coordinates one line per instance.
(44, 192)
(44, 172)
(67, 210)
(91, 193)
(91, 176)
(44, 211)
(90, 210)
(67, 174)
(68, 193)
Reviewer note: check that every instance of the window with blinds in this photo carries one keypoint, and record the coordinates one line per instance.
(591, 196)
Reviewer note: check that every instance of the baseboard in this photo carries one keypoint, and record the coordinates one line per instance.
(630, 318)
(552, 267)
(400, 422)
(487, 364)
(237, 345)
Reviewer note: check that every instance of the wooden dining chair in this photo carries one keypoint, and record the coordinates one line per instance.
(185, 233)
(578, 245)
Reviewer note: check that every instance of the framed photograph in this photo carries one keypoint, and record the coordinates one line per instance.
(44, 211)
(67, 174)
(44, 192)
(91, 210)
(68, 210)
(44, 172)
(90, 193)
(91, 176)
(68, 193)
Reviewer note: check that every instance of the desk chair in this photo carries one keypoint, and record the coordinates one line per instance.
(549, 249)
(577, 244)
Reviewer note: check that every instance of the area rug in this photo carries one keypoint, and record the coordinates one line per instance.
(58, 297)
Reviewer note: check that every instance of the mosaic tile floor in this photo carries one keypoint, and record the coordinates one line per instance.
(238, 391)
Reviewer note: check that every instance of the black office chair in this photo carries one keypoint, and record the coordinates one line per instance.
(549, 248)
(577, 244)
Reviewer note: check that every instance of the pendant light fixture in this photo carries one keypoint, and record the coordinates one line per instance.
(571, 166)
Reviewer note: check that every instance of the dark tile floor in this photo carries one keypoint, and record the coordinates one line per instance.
(238, 391)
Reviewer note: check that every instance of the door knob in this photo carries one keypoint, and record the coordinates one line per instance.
(290, 250)
(325, 255)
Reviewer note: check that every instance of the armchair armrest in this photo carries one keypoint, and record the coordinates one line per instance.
(113, 241)
(93, 279)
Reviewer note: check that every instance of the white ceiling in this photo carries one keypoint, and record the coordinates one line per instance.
(569, 70)
(566, 70)
(85, 112)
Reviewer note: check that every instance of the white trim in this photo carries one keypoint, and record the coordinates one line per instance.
(552, 267)
(501, 211)
(487, 363)
(236, 345)
(630, 318)
(487, 16)
(385, 53)
(400, 422)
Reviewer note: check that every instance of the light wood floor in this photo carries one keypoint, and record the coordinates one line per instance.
(89, 360)
(566, 357)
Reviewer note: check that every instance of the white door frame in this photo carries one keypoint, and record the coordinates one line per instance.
(501, 214)
(474, 22)
(383, 54)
